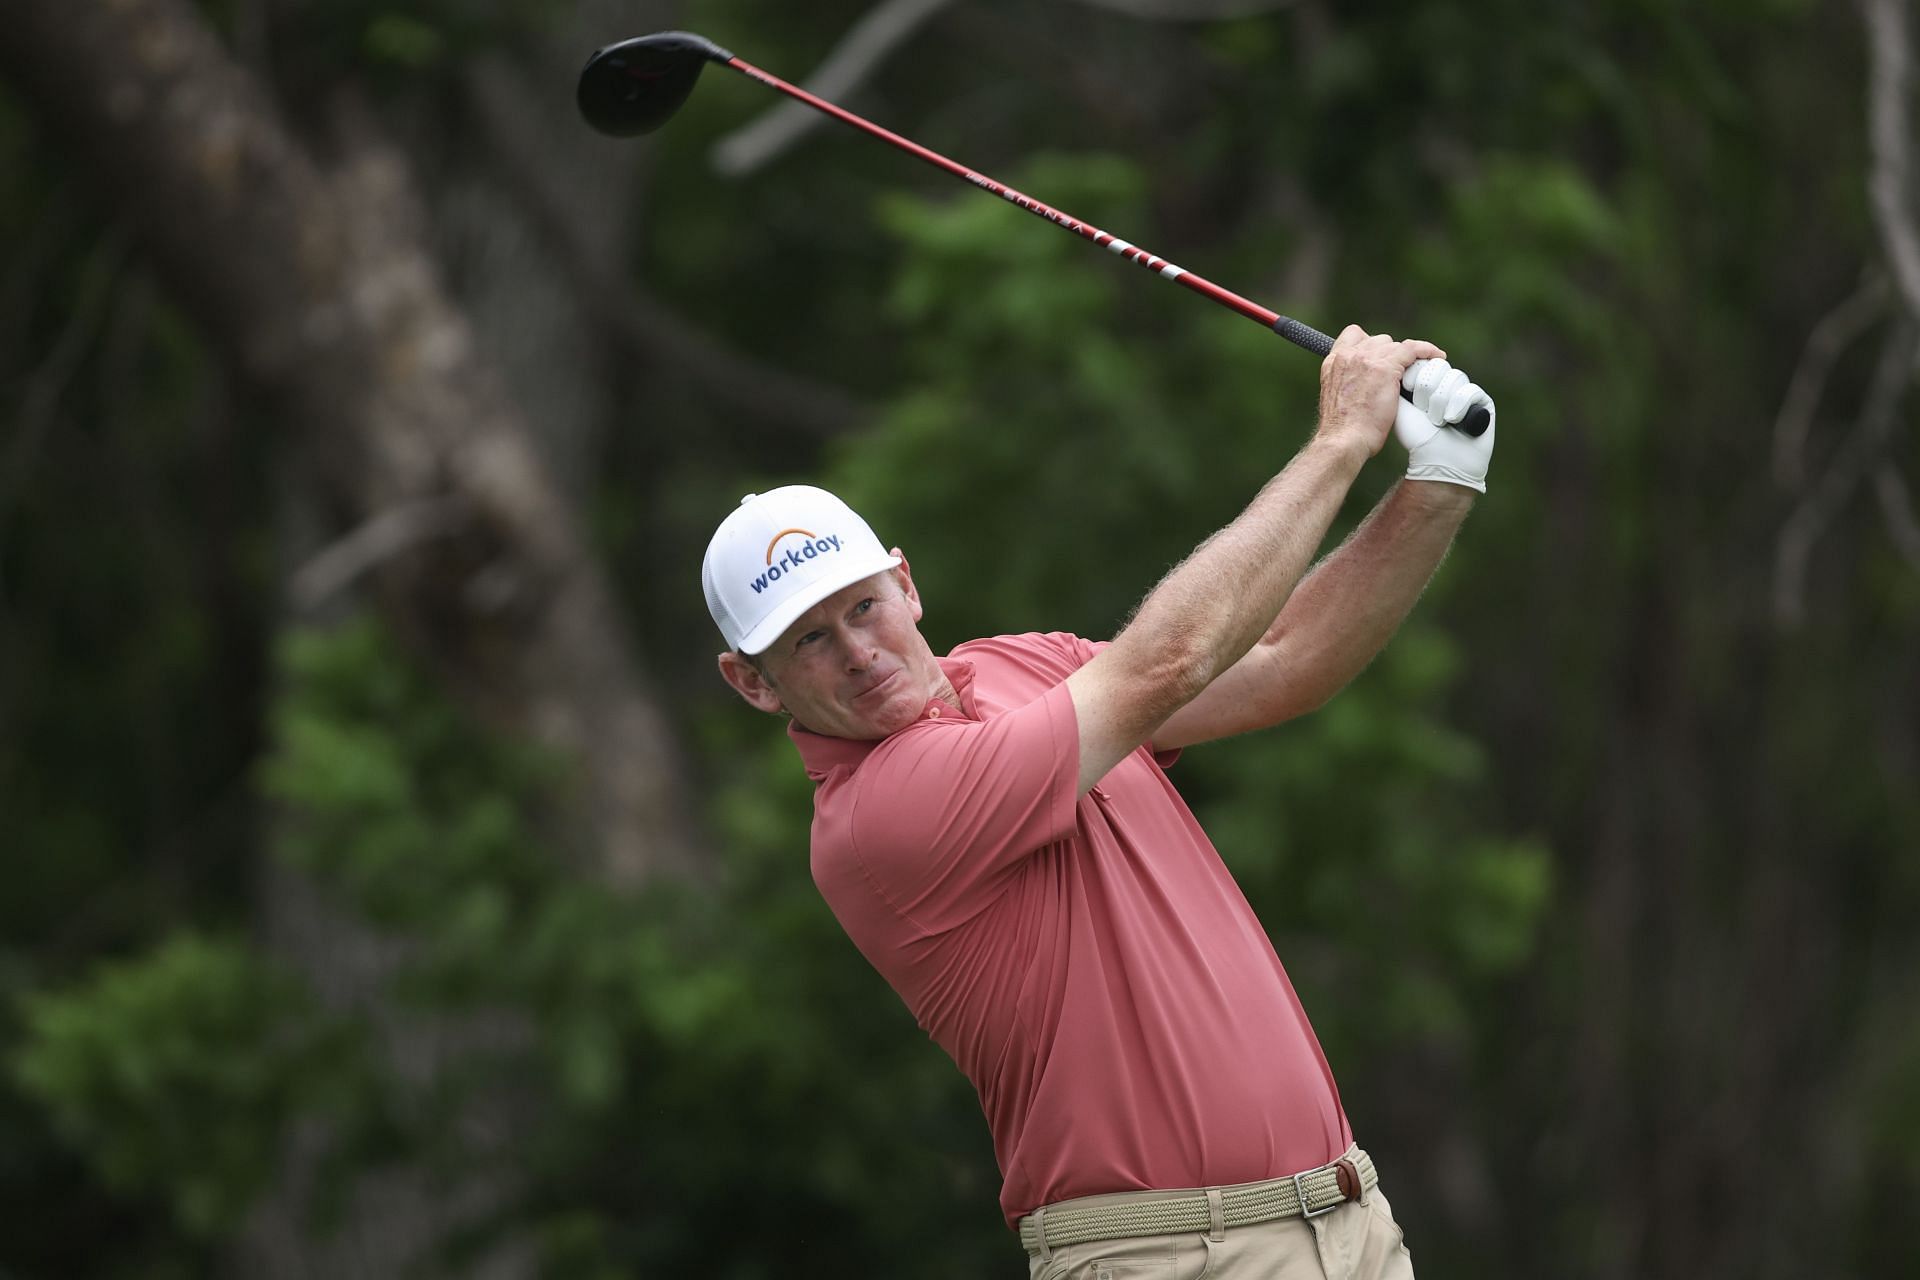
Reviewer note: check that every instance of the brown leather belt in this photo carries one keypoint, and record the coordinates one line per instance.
(1207, 1210)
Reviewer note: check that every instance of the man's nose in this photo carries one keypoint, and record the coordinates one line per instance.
(860, 654)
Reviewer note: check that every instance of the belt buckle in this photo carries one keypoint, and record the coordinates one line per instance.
(1300, 1192)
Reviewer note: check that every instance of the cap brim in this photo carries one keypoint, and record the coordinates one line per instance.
(762, 637)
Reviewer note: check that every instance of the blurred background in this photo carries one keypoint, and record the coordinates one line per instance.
(392, 889)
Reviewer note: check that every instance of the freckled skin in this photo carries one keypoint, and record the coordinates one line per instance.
(853, 666)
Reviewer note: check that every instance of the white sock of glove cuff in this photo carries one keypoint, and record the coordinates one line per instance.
(1442, 396)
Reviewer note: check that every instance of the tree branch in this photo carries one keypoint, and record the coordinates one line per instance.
(1889, 185)
(380, 539)
(1829, 494)
(867, 43)
(645, 327)
(1836, 331)
(883, 29)
(48, 383)
(1889, 73)
(1190, 10)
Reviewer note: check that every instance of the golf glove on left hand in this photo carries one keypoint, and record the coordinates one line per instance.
(1442, 395)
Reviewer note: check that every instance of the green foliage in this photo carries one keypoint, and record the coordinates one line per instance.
(1361, 819)
(394, 798)
(131, 496)
(976, 281)
(178, 1074)
(1593, 867)
(722, 1015)
(1361, 822)
(1030, 386)
(404, 41)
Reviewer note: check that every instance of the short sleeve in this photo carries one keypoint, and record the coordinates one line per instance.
(944, 811)
(1092, 648)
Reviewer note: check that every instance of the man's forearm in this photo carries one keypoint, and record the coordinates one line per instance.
(1349, 606)
(1207, 614)
(1222, 598)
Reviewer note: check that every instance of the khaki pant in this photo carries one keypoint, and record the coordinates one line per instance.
(1354, 1242)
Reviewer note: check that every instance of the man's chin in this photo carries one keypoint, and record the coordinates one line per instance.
(881, 722)
(895, 712)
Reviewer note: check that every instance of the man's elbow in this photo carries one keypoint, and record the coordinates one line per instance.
(1289, 690)
(1170, 677)
(1183, 676)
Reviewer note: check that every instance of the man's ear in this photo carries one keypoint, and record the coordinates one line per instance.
(903, 574)
(748, 681)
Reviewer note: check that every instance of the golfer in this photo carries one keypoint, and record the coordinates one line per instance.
(995, 831)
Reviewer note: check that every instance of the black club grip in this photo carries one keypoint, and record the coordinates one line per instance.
(1305, 335)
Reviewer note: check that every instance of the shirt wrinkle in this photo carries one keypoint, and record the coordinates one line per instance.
(853, 847)
(1087, 961)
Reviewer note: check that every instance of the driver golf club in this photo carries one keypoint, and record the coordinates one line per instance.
(635, 86)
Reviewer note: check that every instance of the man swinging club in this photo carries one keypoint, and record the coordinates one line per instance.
(995, 831)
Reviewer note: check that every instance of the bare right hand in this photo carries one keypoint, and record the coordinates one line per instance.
(1360, 386)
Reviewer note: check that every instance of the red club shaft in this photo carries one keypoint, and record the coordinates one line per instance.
(1131, 252)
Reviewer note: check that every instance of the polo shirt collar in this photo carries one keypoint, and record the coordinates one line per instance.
(822, 754)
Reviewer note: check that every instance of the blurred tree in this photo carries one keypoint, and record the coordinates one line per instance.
(1599, 886)
(328, 301)
(321, 286)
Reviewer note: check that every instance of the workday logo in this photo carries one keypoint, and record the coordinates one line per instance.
(793, 556)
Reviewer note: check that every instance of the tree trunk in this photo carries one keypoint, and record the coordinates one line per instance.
(319, 285)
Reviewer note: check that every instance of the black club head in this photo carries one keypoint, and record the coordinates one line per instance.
(632, 87)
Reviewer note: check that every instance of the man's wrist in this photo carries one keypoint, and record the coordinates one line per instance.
(1344, 449)
(1440, 497)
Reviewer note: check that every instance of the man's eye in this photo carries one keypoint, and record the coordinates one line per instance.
(806, 639)
(864, 605)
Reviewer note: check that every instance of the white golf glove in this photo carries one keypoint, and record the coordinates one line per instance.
(1442, 395)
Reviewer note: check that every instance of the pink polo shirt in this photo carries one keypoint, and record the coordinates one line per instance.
(1088, 962)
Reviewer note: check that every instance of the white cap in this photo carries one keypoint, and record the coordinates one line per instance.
(779, 554)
